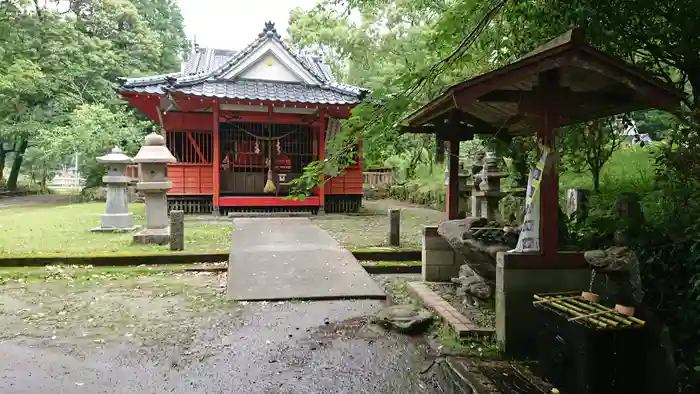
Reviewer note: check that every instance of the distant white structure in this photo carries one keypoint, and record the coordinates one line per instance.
(68, 178)
(632, 135)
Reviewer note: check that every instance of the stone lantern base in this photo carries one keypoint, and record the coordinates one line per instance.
(153, 236)
(116, 223)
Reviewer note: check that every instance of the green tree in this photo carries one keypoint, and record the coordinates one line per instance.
(403, 51)
(588, 146)
(61, 56)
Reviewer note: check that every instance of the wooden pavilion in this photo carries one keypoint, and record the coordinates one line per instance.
(563, 82)
(236, 120)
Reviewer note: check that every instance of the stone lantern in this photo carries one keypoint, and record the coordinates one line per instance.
(153, 159)
(489, 188)
(117, 217)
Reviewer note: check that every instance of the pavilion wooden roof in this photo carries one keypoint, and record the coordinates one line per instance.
(588, 84)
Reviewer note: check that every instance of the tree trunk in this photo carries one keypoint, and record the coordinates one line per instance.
(17, 164)
(596, 180)
(3, 157)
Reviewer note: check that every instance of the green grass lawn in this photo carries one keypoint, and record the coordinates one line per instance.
(370, 228)
(66, 230)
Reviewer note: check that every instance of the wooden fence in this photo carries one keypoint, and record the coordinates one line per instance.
(378, 178)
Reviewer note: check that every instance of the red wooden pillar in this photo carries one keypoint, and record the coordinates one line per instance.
(321, 157)
(216, 156)
(549, 196)
(548, 85)
(452, 203)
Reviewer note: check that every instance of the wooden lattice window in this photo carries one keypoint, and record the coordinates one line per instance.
(191, 146)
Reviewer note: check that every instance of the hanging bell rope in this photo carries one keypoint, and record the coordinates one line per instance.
(266, 138)
(270, 184)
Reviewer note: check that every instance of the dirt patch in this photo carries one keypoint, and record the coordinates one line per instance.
(96, 307)
(25, 201)
(483, 317)
(371, 226)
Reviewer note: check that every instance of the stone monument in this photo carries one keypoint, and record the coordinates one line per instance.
(489, 193)
(177, 230)
(577, 203)
(394, 235)
(465, 191)
(117, 217)
(476, 167)
(153, 159)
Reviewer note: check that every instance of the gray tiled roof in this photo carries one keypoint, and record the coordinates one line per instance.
(246, 89)
(204, 60)
(203, 70)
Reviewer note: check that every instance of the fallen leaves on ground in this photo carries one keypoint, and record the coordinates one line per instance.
(82, 303)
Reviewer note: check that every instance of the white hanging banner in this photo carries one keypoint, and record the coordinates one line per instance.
(529, 239)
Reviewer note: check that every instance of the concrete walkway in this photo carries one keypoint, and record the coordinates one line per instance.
(293, 259)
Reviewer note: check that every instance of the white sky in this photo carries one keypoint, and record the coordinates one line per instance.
(233, 24)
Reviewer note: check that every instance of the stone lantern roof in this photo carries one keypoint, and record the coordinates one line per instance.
(115, 156)
(154, 151)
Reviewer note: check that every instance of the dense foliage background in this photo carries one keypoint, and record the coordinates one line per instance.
(59, 64)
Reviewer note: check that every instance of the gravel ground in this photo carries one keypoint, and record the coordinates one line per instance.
(90, 332)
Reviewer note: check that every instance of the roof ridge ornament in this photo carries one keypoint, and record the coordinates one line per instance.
(170, 80)
(269, 30)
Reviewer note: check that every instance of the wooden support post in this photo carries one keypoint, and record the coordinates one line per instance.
(452, 203)
(321, 157)
(394, 235)
(549, 208)
(548, 84)
(216, 157)
(177, 230)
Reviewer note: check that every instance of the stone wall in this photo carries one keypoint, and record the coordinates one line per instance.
(439, 261)
(516, 284)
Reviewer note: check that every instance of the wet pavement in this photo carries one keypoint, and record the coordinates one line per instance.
(291, 347)
(294, 260)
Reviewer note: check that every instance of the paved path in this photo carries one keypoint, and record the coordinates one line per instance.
(271, 348)
(293, 259)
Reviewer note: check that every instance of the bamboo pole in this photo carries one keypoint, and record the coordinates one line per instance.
(590, 315)
(571, 311)
(587, 308)
(598, 313)
(555, 299)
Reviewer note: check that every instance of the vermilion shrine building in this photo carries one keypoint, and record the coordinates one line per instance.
(229, 115)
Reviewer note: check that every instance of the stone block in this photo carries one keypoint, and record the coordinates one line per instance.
(440, 263)
(394, 235)
(159, 236)
(116, 223)
(177, 230)
(430, 273)
(432, 240)
(515, 315)
(439, 257)
(439, 266)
